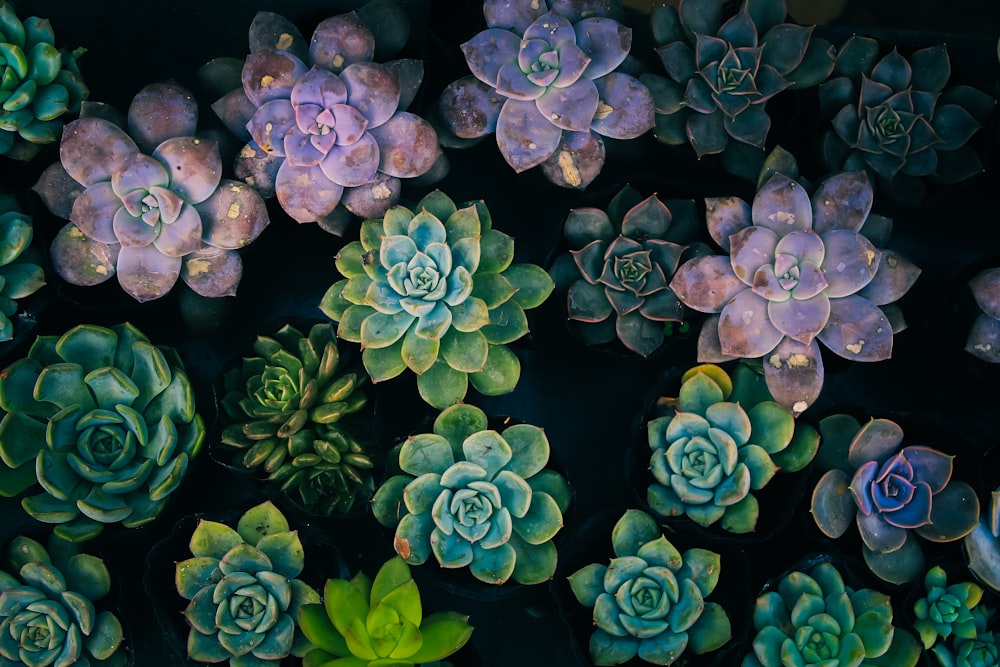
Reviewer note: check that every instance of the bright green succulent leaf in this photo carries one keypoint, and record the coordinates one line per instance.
(193, 574)
(499, 375)
(213, 539)
(387, 503)
(371, 234)
(542, 521)
(21, 439)
(403, 598)
(463, 224)
(507, 323)
(661, 553)
(21, 280)
(529, 447)
(413, 538)
(702, 567)
(88, 345)
(587, 583)
(393, 574)
(443, 634)
(106, 636)
(535, 563)
(63, 385)
(384, 363)
(319, 630)
(493, 566)
(496, 252)
(554, 484)
(464, 352)
(426, 453)
(419, 353)
(437, 204)
(284, 549)
(711, 631)
(801, 451)
(206, 648)
(344, 603)
(698, 393)
(380, 330)
(88, 576)
(333, 304)
(493, 288)
(607, 649)
(532, 283)
(78, 529)
(630, 532)
(714, 373)
(470, 315)
(350, 260)
(903, 652)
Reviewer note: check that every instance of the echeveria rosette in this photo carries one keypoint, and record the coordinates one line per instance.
(945, 610)
(799, 272)
(48, 614)
(649, 601)
(983, 341)
(979, 649)
(545, 81)
(894, 494)
(364, 622)
(982, 545)
(20, 273)
(244, 590)
(287, 410)
(104, 421)
(436, 292)
(472, 496)
(147, 203)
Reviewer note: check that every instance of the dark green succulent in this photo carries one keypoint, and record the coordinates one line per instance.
(978, 650)
(945, 610)
(20, 275)
(288, 412)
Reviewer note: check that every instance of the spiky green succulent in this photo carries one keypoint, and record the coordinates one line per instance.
(104, 421)
(945, 610)
(287, 410)
(980, 649)
(20, 275)
(243, 590)
(436, 293)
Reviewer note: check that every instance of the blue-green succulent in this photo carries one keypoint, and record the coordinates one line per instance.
(20, 273)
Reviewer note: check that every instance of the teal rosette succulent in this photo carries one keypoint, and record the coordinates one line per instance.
(363, 622)
(722, 439)
(287, 410)
(436, 293)
(104, 421)
(47, 610)
(649, 601)
(980, 649)
(813, 618)
(20, 274)
(476, 497)
(945, 610)
(243, 590)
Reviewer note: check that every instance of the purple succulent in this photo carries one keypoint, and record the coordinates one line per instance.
(148, 204)
(798, 272)
(984, 336)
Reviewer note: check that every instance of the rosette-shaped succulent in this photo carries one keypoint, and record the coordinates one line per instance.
(713, 448)
(545, 81)
(47, 611)
(476, 497)
(38, 84)
(363, 622)
(20, 275)
(287, 411)
(984, 336)
(798, 272)
(894, 494)
(945, 610)
(979, 649)
(982, 545)
(104, 421)
(650, 599)
(436, 292)
(895, 117)
(243, 590)
(149, 203)
(812, 618)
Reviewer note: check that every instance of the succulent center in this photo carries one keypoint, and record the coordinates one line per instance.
(946, 609)
(786, 269)
(632, 269)
(14, 64)
(103, 442)
(730, 78)
(339, 124)
(889, 125)
(422, 279)
(278, 390)
(248, 609)
(471, 508)
(37, 631)
(544, 69)
(980, 653)
(701, 459)
(646, 595)
(817, 646)
(153, 205)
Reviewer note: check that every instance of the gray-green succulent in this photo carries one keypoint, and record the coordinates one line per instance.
(20, 274)
(980, 649)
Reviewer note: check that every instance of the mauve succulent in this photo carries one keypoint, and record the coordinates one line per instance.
(984, 335)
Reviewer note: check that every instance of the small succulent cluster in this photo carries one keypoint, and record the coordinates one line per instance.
(20, 274)
(47, 611)
(287, 410)
(243, 590)
(984, 336)
(436, 292)
(39, 84)
(946, 610)
(980, 647)
(798, 272)
(104, 421)
(477, 497)
(893, 493)
(649, 601)
(146, 201)
(721, 439)
(364, 622)
(545, 80)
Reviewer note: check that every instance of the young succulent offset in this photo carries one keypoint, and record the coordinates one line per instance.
(476, 497)
(363, 622)
(288, 411)
(798, 272)
(984, 336)
(650, 599)
(104, 421)
(979, 649)
(243, 590)
(47, 610)
(945, 610)
(717, 443)
(436, 292)
(20, 274)
(544, 80)
(147, 202)
(894, 494)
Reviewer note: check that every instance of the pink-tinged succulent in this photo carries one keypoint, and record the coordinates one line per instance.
(147, 202)
(799, 272)
(544, 80)
(984, 336)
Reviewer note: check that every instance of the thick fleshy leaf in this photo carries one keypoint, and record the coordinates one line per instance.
(488, 51)
(625, 109)
(146, 273)
(745, 329)
(212, 272)
(794, 374)
(571, 108)
(842, 201)
(233, 216)
(954, 513)
(91, 149)
(833, 508)
(306, 193)
(408, 145)
(372, 89)
(894, 278)
(470, 108)
(850, 262)
(159, 112)
(194, 165)
(707, 133)
(782, 205)
(524, 136)
(707, 284)
(269, 75)
(605, 41)
(577, 160)
(725, 216)
(857, 330)
(339, 41)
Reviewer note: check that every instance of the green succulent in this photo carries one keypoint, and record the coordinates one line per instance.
(287, 411)
(38, 84)
(945, 609)
(379, 623)
(475, 497)
(979, 650)
(104, 421)
(650, 599)
(20, 275)
(436, 292)
(47, 611)
(243, 590)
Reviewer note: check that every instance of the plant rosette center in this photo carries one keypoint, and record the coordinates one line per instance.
(471, 507)
(894, 491)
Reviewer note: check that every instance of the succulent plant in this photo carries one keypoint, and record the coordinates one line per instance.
(40, 84)
(476, 497)
(325, 124)
(544, 80)
(47, 610)
(982, 546)
(798, 272)
(714, 446)
(650, 599)
(436, 292)
(980, 649)
(945, 610)
(104, 421)
(243, 590)
(893, 493)
(363, 622)
(20, 275)
(149, 204)
(287, 412)
(812, 618)
(984, 336)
